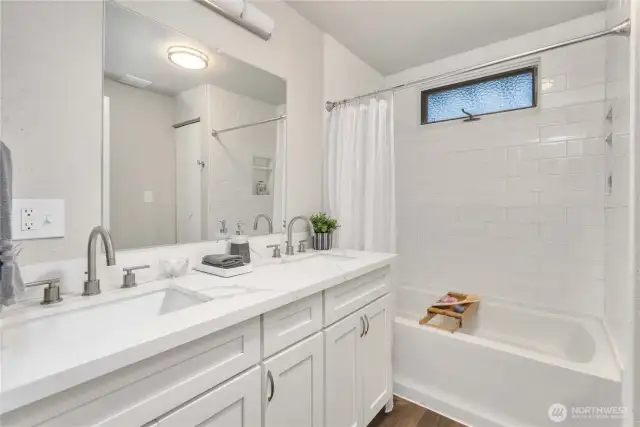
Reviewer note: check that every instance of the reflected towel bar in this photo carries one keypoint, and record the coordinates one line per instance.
(215, 133)
(186, 123)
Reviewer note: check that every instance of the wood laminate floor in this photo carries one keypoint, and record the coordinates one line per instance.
(407, 414)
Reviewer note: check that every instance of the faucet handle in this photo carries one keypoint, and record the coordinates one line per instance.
(276, 250)
(51, 292)
(51, 282)
(129, 278)
(301, 246)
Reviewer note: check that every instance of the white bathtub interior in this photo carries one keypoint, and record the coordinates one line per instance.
(579, 343)
(507, 366)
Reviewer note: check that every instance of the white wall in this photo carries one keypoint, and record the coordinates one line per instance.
(190, 104)
(346, 75)
(617, 206)
(143, 160)
(511, 206)
(620, 298)
(52, 113)
(231, 155)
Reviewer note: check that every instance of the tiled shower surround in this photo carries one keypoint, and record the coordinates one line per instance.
(513, 205)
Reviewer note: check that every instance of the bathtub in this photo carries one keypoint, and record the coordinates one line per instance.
(507, 367)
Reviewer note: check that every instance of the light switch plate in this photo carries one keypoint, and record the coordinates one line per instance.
(37, 219)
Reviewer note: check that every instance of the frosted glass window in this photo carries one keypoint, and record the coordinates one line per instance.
(510, 91)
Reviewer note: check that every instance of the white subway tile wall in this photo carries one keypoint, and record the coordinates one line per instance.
(511, 206)
(619, 289)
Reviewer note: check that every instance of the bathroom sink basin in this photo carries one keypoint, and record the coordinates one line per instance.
(89, 324)
(336, 257)
(318, 257)
(63, 339)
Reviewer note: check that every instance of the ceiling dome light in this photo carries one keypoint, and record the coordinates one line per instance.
(187, 57)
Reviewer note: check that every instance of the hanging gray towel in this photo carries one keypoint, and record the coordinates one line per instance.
(11, 284)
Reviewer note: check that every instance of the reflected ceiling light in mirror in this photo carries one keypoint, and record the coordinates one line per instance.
(187, 57)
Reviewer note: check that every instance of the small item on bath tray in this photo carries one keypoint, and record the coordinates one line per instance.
(223, 260)
(224, 272)
(458, 308)
(455, 309)
(449, 300)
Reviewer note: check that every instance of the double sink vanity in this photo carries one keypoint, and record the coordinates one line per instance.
(171, 153)
(301, 341)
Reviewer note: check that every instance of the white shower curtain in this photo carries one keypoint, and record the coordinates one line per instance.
(359, 175)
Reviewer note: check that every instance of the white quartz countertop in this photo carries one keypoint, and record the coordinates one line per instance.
(33, 367)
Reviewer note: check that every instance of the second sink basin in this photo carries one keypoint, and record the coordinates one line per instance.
(307, 258)
(317, 257)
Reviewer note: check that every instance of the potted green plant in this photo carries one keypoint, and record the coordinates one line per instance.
(323, 226)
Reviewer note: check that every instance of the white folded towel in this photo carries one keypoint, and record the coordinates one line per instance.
(258, 18)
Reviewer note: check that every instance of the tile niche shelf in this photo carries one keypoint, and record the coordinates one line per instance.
(262, 173)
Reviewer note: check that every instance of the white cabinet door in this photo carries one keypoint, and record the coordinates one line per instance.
(293, 385)
(377, 387)
(233, 404)
(343, 385)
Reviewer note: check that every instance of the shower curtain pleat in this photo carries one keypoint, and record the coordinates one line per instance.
(359, 181)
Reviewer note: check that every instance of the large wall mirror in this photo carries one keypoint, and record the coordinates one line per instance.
(166, 178)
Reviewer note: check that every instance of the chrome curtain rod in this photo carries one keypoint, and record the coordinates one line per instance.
(215, 133)
(622, 29)
(244, 24)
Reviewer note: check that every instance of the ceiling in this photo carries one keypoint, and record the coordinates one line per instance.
(392, 36)
(138, 46)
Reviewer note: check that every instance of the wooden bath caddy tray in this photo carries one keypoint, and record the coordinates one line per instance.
(459, 318)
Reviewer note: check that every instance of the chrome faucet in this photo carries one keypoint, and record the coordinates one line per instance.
(92, 285)
(289, 250)
(267, 218)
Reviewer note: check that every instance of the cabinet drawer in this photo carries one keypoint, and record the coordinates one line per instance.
(233, 404)
(346, 298)
(291, 323)
(139, 393)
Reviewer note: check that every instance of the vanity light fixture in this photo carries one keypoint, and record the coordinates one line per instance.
(187, 57)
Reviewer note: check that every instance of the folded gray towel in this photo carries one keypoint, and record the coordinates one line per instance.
(223, 260)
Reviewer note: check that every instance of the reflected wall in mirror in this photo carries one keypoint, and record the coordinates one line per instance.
(166, 179)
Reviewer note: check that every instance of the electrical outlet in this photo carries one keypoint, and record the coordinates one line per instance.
(37, 218)
(27, 219)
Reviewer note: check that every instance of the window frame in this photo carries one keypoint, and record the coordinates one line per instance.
(424, 95)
